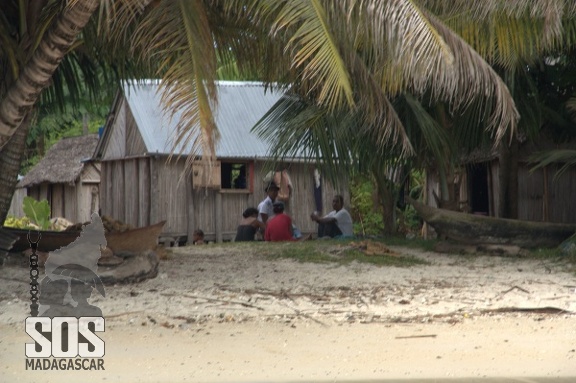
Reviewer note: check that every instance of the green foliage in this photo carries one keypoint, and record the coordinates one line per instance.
(414, 243)
(408, 218)
(341, 252)
(37, 211)
(51, 129)
(367, 218)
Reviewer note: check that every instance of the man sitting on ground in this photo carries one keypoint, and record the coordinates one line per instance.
(337, 223)
(279, 228)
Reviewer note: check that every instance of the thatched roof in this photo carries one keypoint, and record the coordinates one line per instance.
(63, 163)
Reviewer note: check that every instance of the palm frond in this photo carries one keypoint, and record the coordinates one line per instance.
(424, 130)
(564, 156)
(299, 129)
(313, 49)
(475, 78)
(175, 37)
(571, 107)
(509, 33)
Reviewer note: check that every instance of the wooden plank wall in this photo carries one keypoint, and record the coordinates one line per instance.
(16, 203)
(63, 199)
(57, 201)
(562, 196)
(530, 194)
(128, 192)
(84, 197)
(204, 206)
(134, 143)
(233, 204)
(171, 198)
(144, 201)
(132, 190)
(542, 197)
(88, 192)
(70, 203)
(125, 190)
(116, 145)
(494, 185)
(119, 196)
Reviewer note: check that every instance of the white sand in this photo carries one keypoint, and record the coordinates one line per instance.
(221, 313)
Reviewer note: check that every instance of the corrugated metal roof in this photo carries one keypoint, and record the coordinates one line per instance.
(240, 106)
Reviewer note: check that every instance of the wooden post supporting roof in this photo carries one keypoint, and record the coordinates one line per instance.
(218, 217)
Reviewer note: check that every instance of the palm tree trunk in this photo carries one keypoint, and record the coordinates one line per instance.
(387, 198)
(10, 159)
(37, 73)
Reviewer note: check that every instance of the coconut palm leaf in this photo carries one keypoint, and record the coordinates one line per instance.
(566, 157)
(509, 33)
(428, 137)
(175, 40)
(571, 107)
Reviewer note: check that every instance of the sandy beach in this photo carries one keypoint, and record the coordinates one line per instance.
(232, 313)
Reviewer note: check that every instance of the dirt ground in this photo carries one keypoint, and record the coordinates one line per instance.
(231, 314)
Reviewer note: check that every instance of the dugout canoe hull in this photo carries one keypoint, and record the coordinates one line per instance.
(133, 240)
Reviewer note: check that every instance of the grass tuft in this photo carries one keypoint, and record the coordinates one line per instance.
(342, 252)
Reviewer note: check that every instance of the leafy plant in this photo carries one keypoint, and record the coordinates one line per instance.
(37, 211)
(367, 219)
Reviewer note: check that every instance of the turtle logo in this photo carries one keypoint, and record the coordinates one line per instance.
(65, 323)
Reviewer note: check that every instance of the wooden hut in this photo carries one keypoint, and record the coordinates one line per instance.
(541, 195)
(67, 178)
(140, 186)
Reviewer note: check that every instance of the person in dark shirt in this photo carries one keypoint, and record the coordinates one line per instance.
(249, 225)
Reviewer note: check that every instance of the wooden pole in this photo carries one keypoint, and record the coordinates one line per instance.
(218, 218)
(545, 196)
(190, 194)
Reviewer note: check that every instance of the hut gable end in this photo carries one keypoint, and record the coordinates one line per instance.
(138, 124)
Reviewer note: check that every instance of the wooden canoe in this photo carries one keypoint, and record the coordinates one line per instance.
(478, 229)
(133, 240)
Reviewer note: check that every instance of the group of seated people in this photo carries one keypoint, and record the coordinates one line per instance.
(270, 220)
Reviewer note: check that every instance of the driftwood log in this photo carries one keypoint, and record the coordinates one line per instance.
(483, 230)
(135, 268)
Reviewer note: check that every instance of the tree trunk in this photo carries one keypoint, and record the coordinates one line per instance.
(10, 160)
(513, 181)
(388, 201)
(37, 73)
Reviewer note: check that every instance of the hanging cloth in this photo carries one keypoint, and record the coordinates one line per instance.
(282, 179)
(318, 191)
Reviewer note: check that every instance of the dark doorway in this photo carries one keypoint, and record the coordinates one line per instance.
(478, 188)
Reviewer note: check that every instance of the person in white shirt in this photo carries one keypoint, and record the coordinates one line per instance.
(265, 208)
(337, 223)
